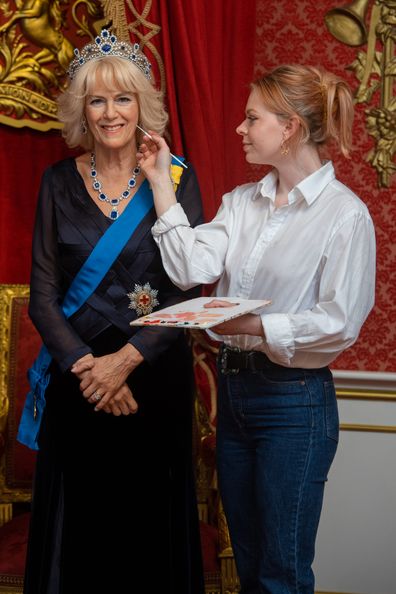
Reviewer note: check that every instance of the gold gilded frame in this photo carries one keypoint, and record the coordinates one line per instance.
(9, 293)
(11, 589)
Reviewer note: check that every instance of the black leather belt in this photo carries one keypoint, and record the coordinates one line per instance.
(232, 360)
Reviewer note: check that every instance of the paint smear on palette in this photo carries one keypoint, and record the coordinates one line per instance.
(191, 316)
(185, 317)
(199, 312)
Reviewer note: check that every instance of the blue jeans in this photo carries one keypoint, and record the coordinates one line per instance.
(277, 434)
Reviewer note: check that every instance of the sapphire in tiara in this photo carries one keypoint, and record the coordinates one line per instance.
(106, 44)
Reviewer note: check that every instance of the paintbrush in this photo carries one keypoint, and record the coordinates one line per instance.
(172, 155)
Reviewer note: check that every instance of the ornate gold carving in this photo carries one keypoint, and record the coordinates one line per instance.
(35, 54)
(8, 293)
(376, 70)
(115, 11)
(141, 21)
(229, 576)
(5, 513)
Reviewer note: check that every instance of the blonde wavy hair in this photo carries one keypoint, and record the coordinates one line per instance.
(116, 73)
(322, 102)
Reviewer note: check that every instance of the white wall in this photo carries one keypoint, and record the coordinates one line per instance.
(356, 547)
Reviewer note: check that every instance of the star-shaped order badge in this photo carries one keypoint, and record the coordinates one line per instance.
(143, 299)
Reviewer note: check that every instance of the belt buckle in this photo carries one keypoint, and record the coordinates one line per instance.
(223, 362)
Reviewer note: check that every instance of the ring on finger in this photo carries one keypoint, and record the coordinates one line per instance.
(96, 396)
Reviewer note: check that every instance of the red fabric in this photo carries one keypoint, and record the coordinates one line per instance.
(13, 543)
(207, 48)
(24, 346)
(210, 547)
(24, 154)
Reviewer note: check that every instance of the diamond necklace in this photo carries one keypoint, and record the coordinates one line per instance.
(114, 202)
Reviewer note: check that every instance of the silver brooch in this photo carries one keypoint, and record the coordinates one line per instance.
(143, 299)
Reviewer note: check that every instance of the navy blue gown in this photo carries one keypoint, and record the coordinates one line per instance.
(114, 499)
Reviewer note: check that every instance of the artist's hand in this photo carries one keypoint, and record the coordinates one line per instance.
(107, 375)
(154, 158)
(219, 303)
(246, 324)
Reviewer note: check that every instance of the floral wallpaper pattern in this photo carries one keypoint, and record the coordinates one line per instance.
(294, 32)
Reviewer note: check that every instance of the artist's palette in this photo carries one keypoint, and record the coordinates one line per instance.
(194, 314)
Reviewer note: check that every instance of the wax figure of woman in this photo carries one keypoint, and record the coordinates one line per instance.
(114, 502)
(304, 240)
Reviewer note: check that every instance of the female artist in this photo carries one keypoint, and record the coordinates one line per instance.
(304, 240)
(114, 503)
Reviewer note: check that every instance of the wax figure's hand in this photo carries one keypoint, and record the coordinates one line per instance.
(101, 383)
(154, 158)
(122, 403)
(246, 324)
(84, 364)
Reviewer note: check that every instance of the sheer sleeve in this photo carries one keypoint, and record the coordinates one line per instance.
(46, 287)
(150, 341)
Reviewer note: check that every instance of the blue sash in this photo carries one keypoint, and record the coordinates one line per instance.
(84, 284)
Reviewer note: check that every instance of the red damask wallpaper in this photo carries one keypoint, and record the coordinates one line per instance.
(294, 32)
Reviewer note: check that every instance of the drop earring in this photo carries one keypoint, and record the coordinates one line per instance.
(84, 128)
(284, 149)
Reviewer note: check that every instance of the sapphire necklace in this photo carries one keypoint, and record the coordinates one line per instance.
(114, 202)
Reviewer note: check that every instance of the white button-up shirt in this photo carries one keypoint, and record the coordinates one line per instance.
(314, 258)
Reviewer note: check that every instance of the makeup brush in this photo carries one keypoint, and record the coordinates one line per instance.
(172, 155)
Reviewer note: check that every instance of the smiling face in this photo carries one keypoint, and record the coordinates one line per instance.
(111, 114)
(262, 132)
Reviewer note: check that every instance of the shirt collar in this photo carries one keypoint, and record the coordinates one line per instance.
(309, 188)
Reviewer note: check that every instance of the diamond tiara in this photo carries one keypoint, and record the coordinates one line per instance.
(106, 44)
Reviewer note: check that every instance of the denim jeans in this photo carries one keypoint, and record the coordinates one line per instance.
(277, 434)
